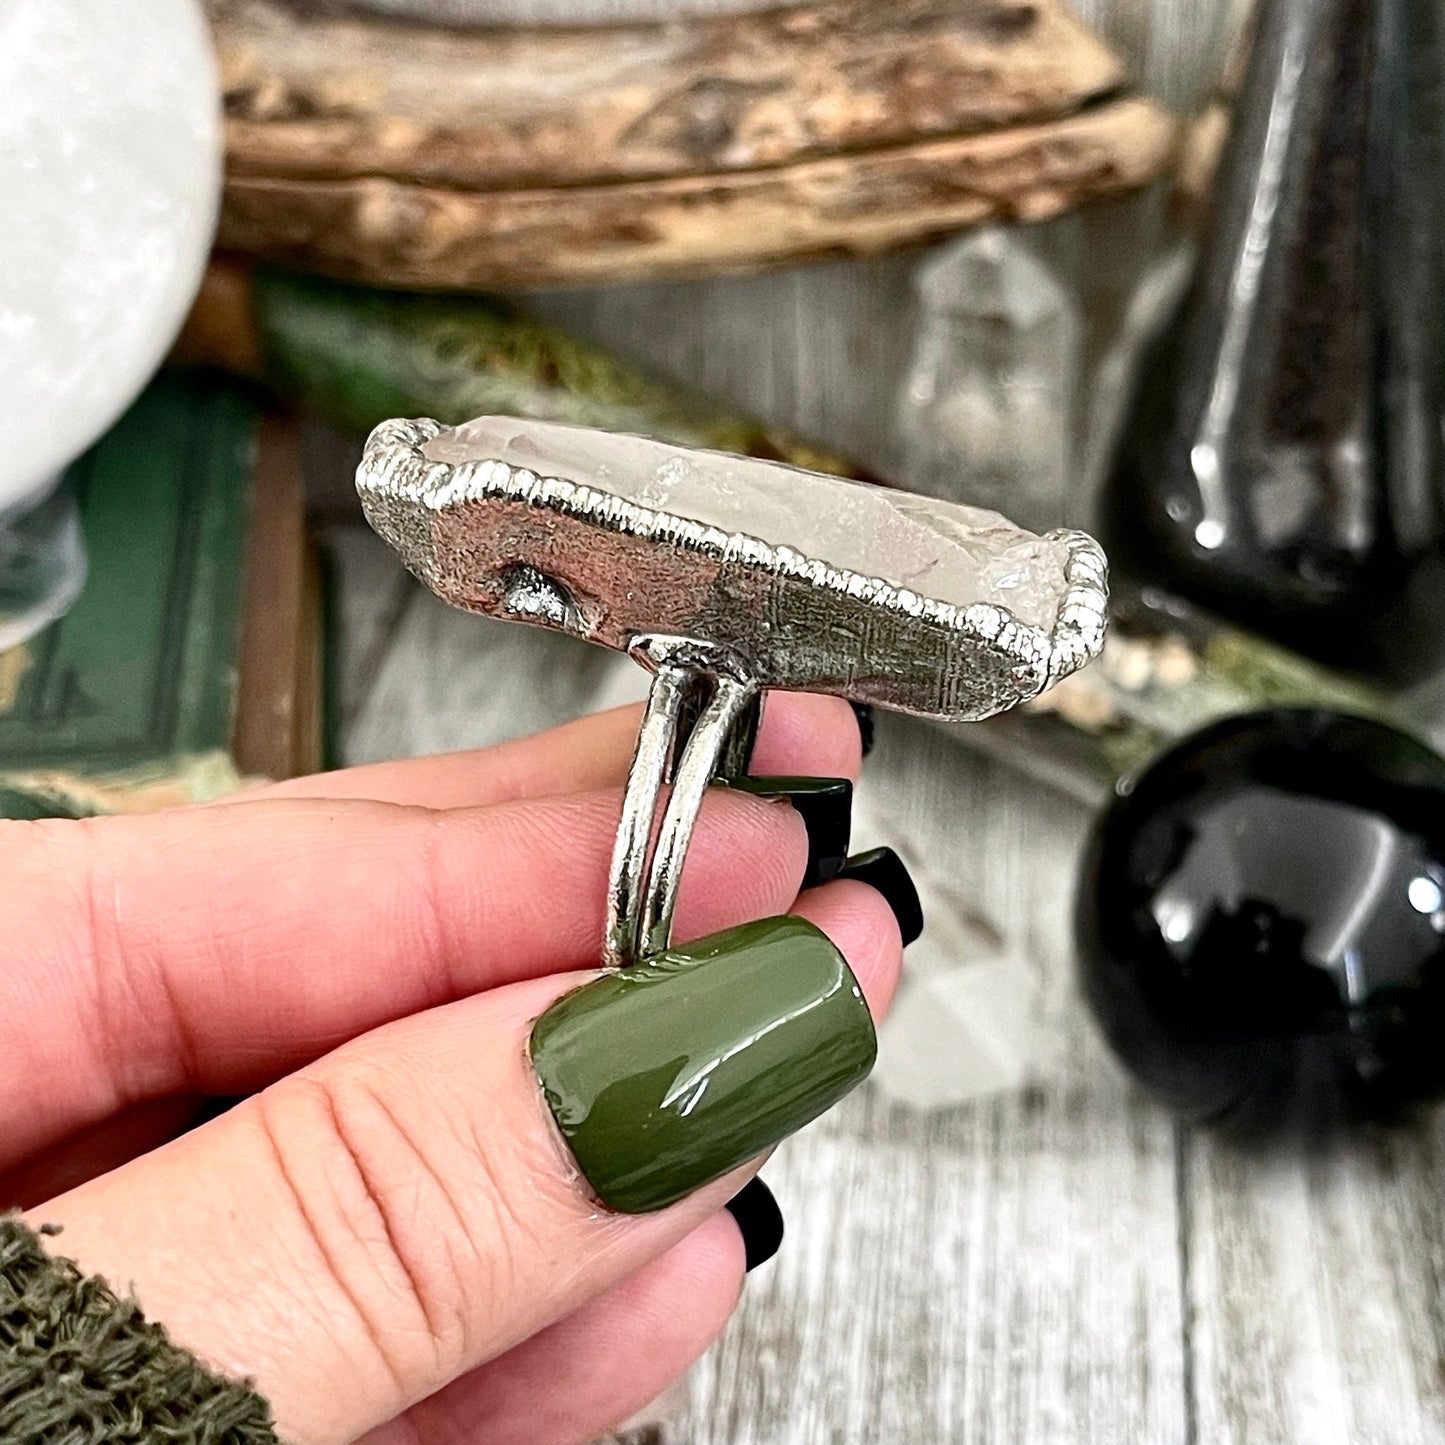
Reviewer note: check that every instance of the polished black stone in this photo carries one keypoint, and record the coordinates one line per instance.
(1283, 459)
(1261, 920)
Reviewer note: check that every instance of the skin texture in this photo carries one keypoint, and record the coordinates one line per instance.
(826, 808)
(387, 1234)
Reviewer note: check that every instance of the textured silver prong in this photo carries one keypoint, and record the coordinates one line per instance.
(645, 875)
(695, 771)
(627, 878)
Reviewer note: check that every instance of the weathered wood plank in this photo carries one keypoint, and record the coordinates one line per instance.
(371, 596)
(449, 680)
(1317, 1289)
(826, 344)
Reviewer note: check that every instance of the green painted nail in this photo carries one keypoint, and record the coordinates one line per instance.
(674, 1071)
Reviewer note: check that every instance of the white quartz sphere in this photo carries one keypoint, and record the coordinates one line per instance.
(110, 170)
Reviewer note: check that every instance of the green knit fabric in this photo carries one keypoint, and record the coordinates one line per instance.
(80, 1366)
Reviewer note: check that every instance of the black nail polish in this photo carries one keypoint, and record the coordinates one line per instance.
(867, 731)
(883, 869)
(759, 1221)
(826, 808)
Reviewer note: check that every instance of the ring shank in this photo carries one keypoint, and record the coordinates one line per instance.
(645, 876)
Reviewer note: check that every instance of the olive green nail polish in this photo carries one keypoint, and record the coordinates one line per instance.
(670, 1073)
(826, 808)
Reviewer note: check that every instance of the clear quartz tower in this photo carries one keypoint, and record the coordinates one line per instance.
(986, 411)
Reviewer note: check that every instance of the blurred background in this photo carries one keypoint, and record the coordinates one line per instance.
(1165, 270)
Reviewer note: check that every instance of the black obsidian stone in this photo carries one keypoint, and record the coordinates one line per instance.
(1282, 461)
(1261, 921)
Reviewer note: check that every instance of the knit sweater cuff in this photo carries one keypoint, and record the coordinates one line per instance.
(78, 1363)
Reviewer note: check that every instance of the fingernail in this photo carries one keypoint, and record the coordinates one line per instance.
(665, 1075)
(759, 1221)
(883, 869)
(826, 808)
(867, 732)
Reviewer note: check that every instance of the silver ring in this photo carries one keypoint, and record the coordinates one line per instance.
(726, 576)
(643, 882)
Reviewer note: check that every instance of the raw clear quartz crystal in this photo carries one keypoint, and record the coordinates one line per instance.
(945, 552)
(987, 407)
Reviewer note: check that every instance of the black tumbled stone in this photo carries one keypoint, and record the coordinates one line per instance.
(1261, 920)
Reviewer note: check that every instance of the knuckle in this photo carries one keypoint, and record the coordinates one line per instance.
(429, 1220)
(382, 1218)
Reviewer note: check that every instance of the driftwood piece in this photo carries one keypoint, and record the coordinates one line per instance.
(408, 155)
(497, 109)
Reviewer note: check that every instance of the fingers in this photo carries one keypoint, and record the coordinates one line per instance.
(94, 1150)
(586, 1374)
(212, 950)
(800, 733)
(427, 1197)
(855, 917)
(591, 752)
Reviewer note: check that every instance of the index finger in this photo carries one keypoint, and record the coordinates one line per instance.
(211, 950)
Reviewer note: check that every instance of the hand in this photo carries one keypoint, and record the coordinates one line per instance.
(387, 1234)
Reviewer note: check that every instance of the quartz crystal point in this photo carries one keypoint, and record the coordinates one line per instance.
(987, 407)
(815, 582)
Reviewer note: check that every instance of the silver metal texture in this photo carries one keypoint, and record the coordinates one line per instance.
(500, 540)
(627, 876)
(717, 617)
(645, 875)
(695, 770)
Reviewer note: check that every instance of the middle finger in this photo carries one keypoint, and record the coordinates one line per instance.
(800, 734)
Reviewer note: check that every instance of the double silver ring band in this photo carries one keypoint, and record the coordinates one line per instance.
(699, 724)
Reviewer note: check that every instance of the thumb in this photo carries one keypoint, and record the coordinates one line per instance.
(429, 1195)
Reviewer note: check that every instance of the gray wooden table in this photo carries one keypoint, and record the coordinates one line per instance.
(1051, 1259)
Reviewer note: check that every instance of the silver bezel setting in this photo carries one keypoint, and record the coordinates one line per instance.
(1010, 660)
